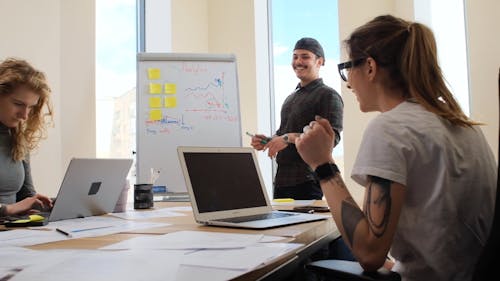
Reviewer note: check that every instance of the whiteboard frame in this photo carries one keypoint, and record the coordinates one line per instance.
(186, 57)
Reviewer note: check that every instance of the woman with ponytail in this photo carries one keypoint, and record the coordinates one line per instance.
(428, 172)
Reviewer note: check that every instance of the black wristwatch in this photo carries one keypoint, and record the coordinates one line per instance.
(326, 171)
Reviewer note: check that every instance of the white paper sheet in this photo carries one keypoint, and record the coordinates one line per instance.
(189, 240)
(85, 265)
(244, 259)
(27, 237)
(78, 228)
(97, 265)
(16, 260)
(100, 225)
(147, 214)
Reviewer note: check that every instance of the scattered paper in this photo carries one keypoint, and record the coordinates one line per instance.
(148, 214)
(188, 240)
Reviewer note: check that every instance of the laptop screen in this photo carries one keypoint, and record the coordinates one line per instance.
(224, 181)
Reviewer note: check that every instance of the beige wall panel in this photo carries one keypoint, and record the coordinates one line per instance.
(355, 121)
(58, 38)
(190, 26)
(30, 30)
(483, 25)
(231, 30)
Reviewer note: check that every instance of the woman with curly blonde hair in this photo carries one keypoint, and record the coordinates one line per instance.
(25, 111)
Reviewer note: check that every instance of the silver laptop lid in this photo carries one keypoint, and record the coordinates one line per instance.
(223, 182)
(90, 187)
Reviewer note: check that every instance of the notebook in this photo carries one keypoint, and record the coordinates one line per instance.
(226, 189)
(91, 187)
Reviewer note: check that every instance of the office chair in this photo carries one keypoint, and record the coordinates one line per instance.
(486, 265)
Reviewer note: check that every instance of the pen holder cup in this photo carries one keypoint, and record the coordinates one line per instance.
(143, 196)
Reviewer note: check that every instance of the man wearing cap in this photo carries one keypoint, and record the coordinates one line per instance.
(311, 97)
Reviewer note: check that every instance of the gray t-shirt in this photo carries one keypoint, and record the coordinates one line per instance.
(15, 176)
(450, 175)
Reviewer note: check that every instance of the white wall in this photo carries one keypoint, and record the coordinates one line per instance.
(57, 37)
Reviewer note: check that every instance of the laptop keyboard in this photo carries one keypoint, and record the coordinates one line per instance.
(258, 217)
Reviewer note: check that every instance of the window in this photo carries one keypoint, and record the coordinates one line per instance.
(446, 18)
(115, 78)
(291, 20)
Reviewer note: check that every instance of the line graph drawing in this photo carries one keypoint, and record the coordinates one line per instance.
(208, 97)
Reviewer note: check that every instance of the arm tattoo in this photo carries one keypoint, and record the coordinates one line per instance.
(378, 198)
(351, 216)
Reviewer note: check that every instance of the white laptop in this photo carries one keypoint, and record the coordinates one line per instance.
(226, 189)
(91, 187)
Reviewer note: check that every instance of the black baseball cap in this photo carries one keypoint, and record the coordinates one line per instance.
(311, 45)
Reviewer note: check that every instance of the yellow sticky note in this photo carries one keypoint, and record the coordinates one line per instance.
(154, 73)
(155, 114)
(154, 88)
(170, 102)
(170, 88)
(155, 102)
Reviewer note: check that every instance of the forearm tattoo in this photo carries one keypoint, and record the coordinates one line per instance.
(351, 214)
(378, 199)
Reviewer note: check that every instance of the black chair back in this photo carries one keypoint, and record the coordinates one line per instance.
(490, 258)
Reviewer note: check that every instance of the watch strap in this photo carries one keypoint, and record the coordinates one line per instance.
(326, 171)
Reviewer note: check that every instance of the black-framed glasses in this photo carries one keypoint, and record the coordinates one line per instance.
(344, 67)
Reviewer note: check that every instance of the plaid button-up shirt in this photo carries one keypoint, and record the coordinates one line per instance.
(300, 108)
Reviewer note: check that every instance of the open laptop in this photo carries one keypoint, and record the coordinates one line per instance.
(91, 187)
(226, 189)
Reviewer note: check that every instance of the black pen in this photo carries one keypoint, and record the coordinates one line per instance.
(63, 232)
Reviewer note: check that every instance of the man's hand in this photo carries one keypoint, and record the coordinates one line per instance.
(276, 145)
(259, 142)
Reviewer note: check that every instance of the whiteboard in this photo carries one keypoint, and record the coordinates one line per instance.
(183, 99)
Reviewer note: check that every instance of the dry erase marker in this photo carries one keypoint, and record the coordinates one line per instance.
(262, 141)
